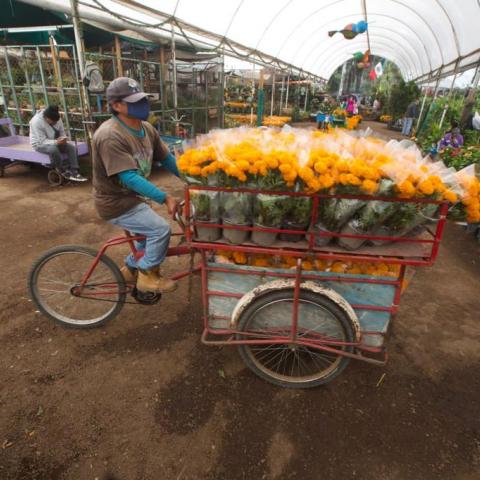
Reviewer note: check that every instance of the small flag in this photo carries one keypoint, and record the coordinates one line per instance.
(378, 69)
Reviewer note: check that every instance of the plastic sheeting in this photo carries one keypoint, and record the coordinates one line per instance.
(420, 36)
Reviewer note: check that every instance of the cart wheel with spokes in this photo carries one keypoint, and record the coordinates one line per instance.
(55, 179)
(292, 364)
(54, 279)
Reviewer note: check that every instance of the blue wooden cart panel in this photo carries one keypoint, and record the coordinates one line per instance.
(366, 294)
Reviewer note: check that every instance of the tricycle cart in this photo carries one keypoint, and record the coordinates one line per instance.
(16, 149)
(293, 327)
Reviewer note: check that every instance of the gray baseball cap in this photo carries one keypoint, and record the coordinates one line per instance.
(126, 90)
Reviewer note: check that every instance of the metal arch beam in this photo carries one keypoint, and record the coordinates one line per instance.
(416, 65)
(452, 26)
(308, 17)
(235, 49)
(233, 18)
(377, 15)
(271, 22)
(398, 2)
(384, 52)
(378, 39)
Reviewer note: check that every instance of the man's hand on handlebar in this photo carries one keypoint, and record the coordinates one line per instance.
(172, 204)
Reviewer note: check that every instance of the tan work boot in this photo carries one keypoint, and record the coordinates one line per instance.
(129, 274)
(152, 281)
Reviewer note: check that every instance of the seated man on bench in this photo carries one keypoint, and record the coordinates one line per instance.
(47, 135)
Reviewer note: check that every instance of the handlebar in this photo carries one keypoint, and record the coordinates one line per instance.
(178, 215)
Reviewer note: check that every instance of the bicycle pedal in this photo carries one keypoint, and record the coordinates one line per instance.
(146, 298)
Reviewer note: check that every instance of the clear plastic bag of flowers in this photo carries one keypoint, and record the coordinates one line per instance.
(268, 212)
(297, 216)
(372, 214)
(336, 213)
(237, 210)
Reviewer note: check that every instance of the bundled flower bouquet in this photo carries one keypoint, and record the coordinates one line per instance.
(310, 162)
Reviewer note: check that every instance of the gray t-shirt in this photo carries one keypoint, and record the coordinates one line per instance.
(116, 150)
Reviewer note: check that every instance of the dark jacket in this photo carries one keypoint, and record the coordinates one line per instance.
(412, 111)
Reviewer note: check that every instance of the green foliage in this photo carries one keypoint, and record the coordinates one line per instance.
(459, 158)
(471, 137)
(400, 96)
(269, 210)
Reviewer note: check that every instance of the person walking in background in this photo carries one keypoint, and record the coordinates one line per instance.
(410, 115)
(47, 135)
(350, 106)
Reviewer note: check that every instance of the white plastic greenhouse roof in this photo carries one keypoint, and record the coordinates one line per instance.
(424, 38)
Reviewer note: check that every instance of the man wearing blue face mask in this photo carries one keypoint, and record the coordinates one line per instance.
(124, 149)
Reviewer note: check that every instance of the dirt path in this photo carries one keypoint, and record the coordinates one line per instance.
(143, 399)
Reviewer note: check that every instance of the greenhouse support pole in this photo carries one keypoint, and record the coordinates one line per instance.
(286, 93)
(445, 108)
(435, 93)
(53, 52)
(77, 30)
(174, 73)
(221, 96)
(342, 79)
(205, 76)
(253, 95)
(260, 99)
(118, 56)
(281, 95)
(273, 94)
(29, 85)
(14, 93)
(422, 108)
(307, 88)
(42, 75)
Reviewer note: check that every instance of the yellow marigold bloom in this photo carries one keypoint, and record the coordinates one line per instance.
(426, 187)
(321, 167)
(338, 267)
(239, 258)
(342, 166)
(243, 165)
(195, 170)
(314, 185)
(407, 189)
(285, 168)
(306, 174)
(369, 187)
(327, 180)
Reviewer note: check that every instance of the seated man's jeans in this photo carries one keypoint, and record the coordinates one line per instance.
(142, 220)
(55, 152)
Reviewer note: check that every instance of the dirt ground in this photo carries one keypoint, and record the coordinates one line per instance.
(143, 399)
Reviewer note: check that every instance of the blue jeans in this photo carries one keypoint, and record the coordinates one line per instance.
(407, 126)
(56, 153)
(142, 220)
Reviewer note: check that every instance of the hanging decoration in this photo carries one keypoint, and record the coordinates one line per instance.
(379, 69)
(363, 59)
(351, 30)
(372, 75)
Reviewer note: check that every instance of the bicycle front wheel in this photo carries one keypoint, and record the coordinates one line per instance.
(54, 282)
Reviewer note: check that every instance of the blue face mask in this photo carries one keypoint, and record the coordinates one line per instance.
(140, 110)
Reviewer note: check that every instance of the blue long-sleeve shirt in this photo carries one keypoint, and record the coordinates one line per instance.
(139, 184)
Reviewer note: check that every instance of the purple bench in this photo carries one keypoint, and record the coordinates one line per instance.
(16, 149)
